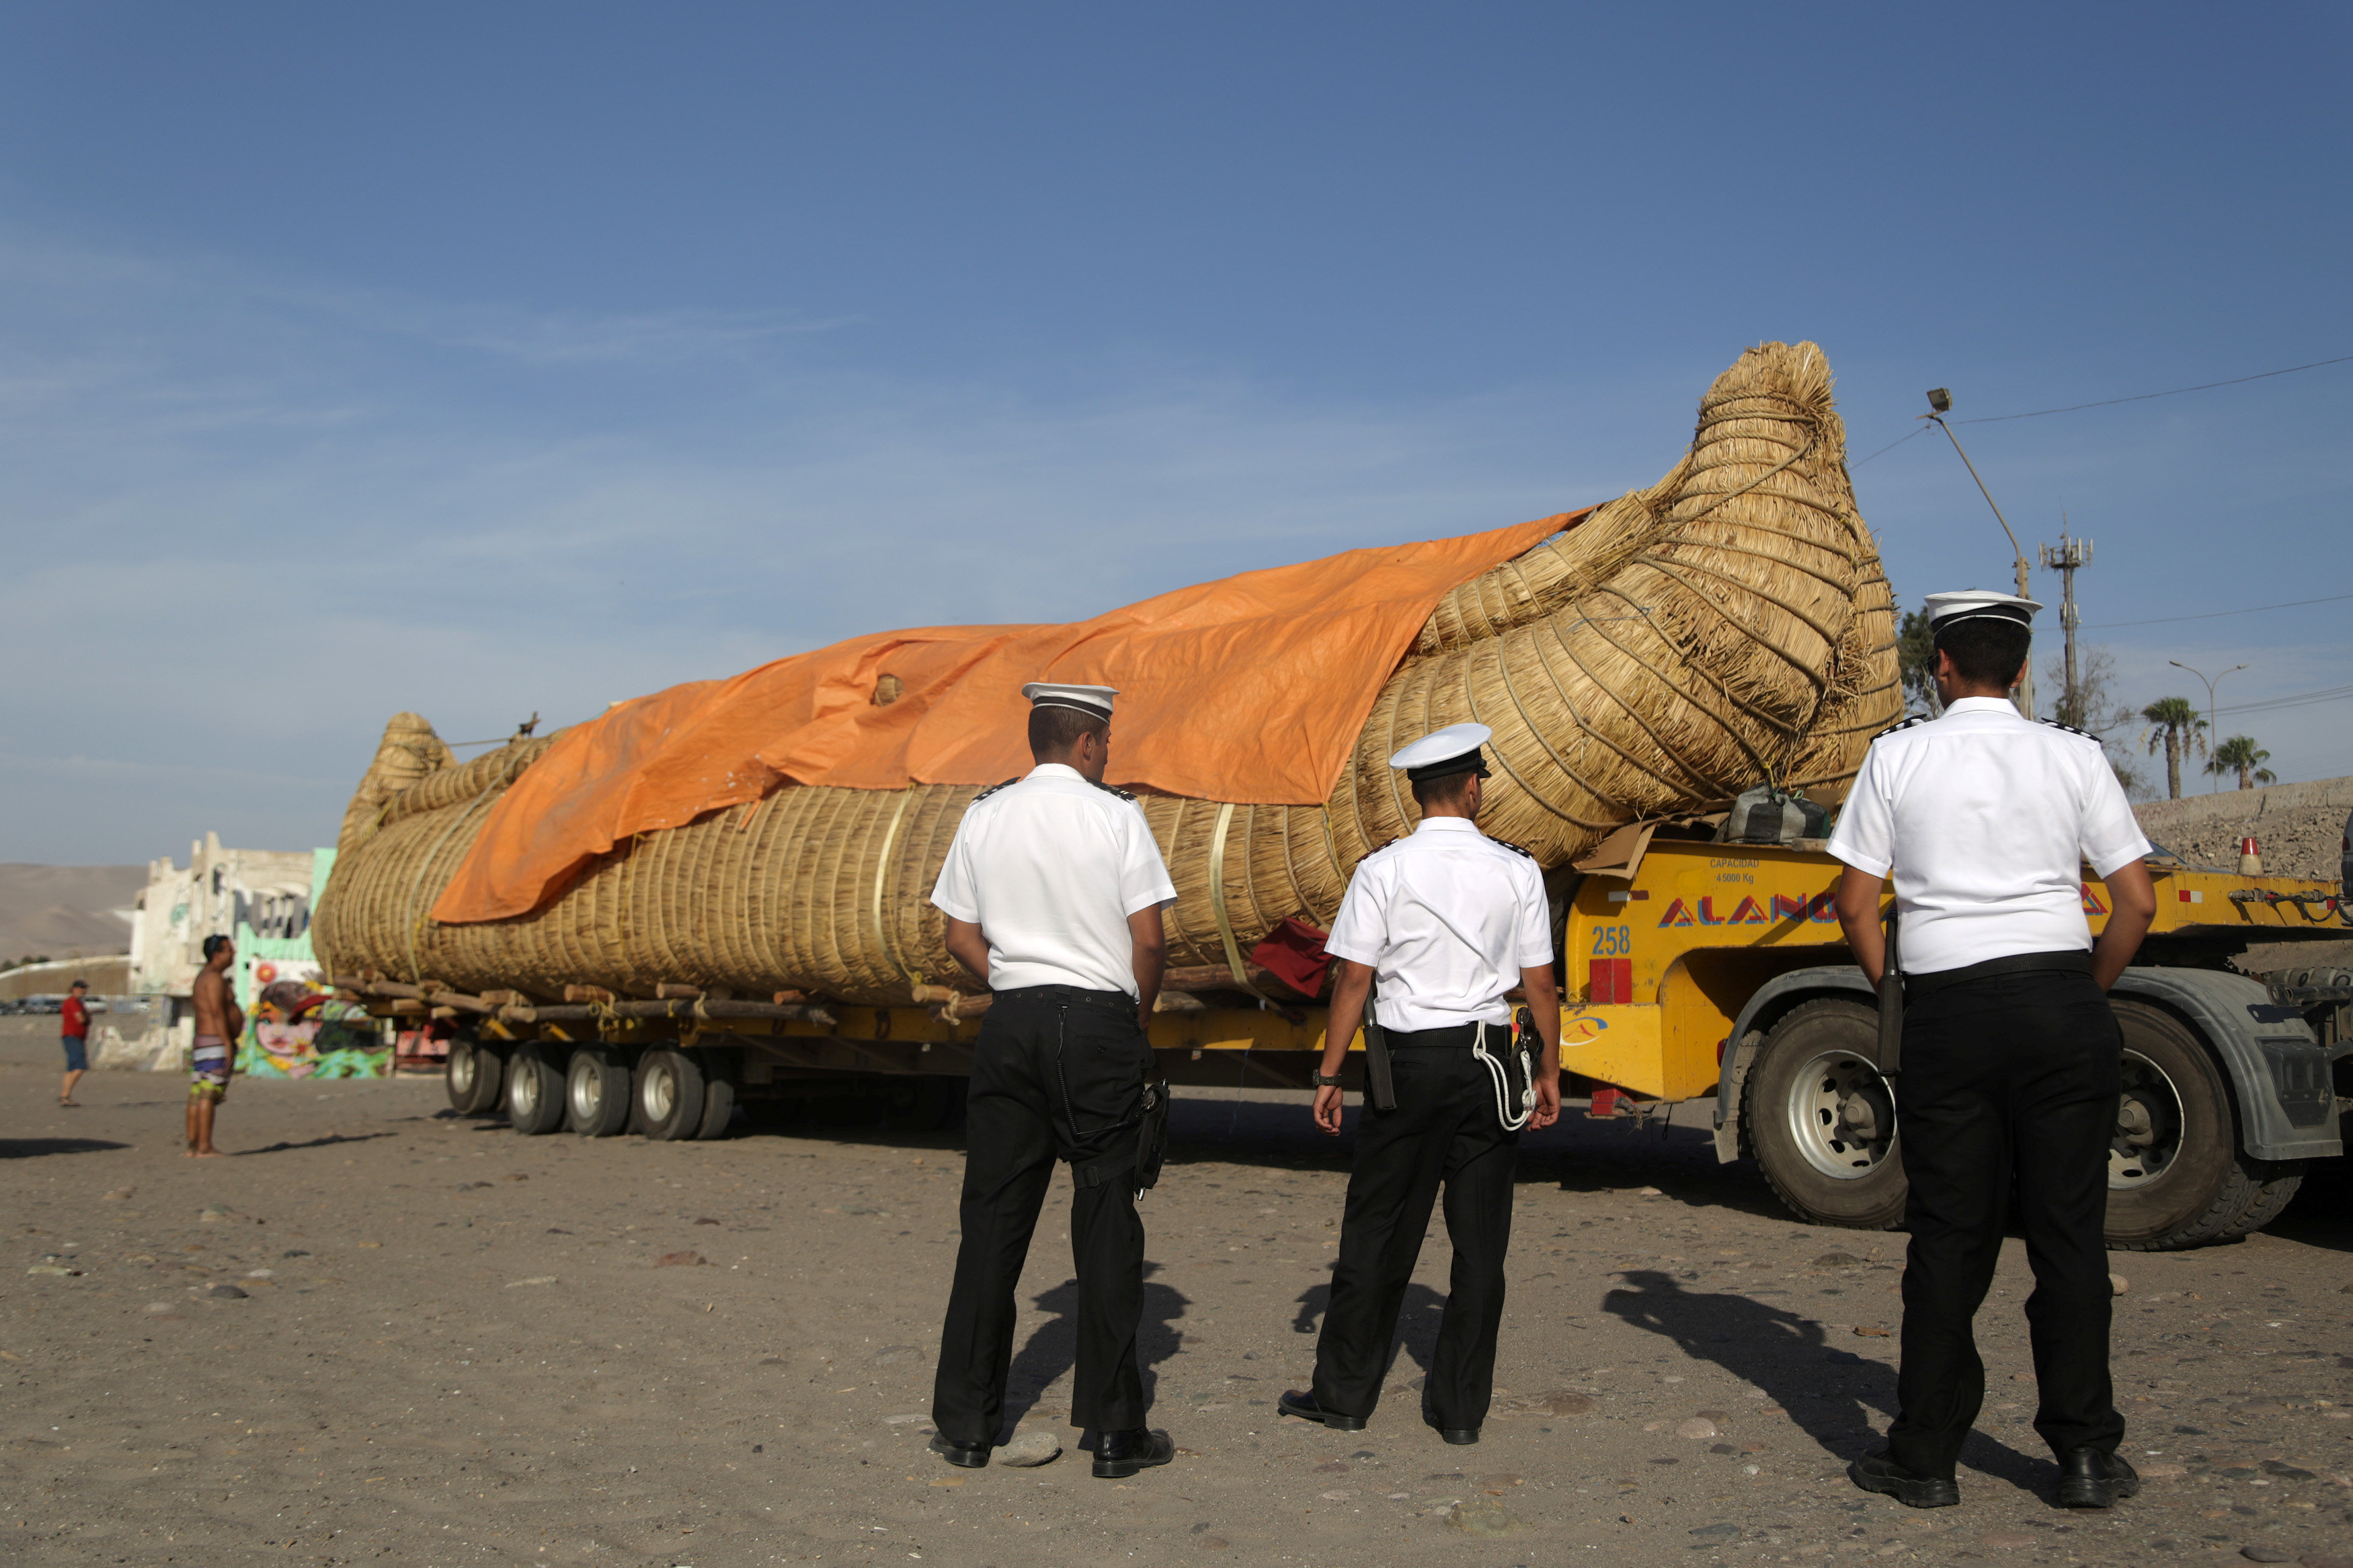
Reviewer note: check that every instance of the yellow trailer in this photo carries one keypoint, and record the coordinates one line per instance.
(1691, 969)
(1716, 970)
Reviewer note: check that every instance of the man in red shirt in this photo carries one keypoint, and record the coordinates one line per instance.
(76, 1029)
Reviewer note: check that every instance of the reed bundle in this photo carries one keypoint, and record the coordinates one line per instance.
(1727, 626)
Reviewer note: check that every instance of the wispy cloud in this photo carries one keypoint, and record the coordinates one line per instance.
(247, 522)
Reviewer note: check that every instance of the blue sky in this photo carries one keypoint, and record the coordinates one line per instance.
(492, 360)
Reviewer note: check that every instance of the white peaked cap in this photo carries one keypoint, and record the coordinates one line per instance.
(1095, 699)
(1453, 749)
(1978, 604)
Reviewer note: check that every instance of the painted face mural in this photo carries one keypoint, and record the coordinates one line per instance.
(297, 1029)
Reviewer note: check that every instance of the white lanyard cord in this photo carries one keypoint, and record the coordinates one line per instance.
(1502, 1080)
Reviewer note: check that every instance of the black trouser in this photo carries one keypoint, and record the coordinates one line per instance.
(1444, 1129)
(1057, 1071)
(2008, 1077)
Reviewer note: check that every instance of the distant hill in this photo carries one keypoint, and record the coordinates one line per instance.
(65, 911)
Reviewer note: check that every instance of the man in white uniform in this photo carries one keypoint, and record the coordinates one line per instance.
(1450, 921)
(1053, 889)
(2010, 1053)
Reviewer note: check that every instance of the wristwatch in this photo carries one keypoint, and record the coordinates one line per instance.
(1327, 1080)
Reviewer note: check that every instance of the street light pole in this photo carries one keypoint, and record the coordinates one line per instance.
(2210, 683)
(1939, 402)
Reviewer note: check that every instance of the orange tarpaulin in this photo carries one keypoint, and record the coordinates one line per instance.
(1251, 689)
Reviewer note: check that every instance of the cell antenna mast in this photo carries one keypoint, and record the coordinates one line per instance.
(2066, 558)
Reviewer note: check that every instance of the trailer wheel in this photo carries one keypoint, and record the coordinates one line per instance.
(1821, 1119)
(534, 1092)
(597, 1092)
(492, 1062)
(718, 1104)
(471, 1077)
(671, 1095)
(2175, 1175)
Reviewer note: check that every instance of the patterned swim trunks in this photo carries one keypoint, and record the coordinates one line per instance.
(208, 1078)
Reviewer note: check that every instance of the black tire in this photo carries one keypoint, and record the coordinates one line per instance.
(596, 1086)
(718, 1106)
(2277, 1183)
(470, 1076)
(536, 1090)
(2176, 1177)
(635, 1125)
(494, 1060)
(671, 1095)
(1822, 1120)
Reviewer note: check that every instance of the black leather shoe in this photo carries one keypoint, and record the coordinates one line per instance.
(964, 1456)
(1461, 1436)
(2095, 1478)
(1878, 1473)
(1304, 1405)
(1119, 1455)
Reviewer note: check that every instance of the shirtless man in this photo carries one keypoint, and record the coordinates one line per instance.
(219, 1022)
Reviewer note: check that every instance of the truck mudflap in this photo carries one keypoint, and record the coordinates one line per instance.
(2287, 1103)
(2279, 1070)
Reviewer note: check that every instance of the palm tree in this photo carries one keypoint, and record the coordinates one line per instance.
(2175, 724)
(2241, 754)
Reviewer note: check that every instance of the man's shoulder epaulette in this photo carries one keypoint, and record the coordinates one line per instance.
(992, 789)
(1905, 724)
(1377, 849)
(2069, 728)
(1514, 848)
(1113, 789)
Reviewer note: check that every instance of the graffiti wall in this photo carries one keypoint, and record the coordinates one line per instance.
(296, 1028)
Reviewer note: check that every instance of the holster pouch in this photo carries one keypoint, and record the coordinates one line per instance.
(1891, 1006)
(1380, 1087)
(1152, 1136)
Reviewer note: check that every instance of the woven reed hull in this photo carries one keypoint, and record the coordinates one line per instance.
(1731, 623)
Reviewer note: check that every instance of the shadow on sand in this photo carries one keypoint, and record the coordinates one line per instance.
(1416, 1330)
(329, 1141)
(1052, 1347)
(27, 1148)
(1829, 1393)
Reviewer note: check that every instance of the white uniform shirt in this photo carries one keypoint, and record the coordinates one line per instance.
(1447, 919)
(1049, 869)
(1988, 819)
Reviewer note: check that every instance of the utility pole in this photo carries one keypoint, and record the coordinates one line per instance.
(2071, 555)
(1940, 402)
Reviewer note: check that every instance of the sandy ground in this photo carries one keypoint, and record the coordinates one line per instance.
(2300, 828)
(453, 1345)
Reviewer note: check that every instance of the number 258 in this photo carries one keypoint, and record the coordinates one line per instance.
(1612, 940)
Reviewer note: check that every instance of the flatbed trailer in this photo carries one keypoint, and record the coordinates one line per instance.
(1694, 969)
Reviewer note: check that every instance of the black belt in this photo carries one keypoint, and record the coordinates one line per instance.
(2074, 960)
(1453, 1038)
(1061, 995)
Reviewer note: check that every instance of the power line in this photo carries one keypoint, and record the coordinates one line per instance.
(2298, 699)
(2212, 615)
(1889, 448)
(2112, 402)
(2144, 396)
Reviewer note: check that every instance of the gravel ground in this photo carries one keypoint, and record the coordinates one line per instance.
(2300, 826)
(376, 1332)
